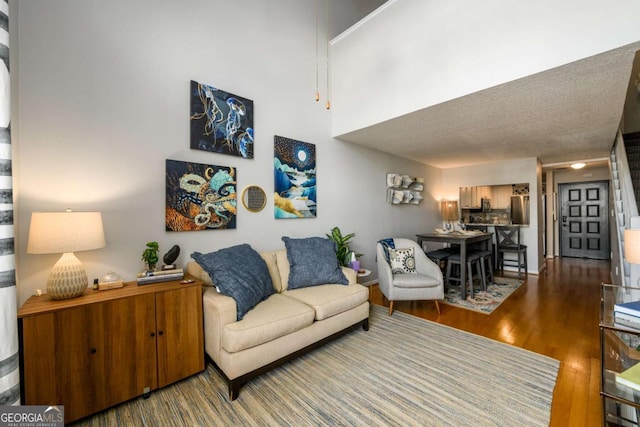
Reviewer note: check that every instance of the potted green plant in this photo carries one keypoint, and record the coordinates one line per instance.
(344, 254)
(150, 255)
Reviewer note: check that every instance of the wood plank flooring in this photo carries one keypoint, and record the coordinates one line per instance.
(555, 314)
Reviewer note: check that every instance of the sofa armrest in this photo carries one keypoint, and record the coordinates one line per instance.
(350, 274)
(194, 269)
(219, 310)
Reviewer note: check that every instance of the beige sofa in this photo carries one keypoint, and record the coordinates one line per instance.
(282, 327)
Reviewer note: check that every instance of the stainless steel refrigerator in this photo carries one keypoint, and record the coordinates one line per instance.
(520, 210)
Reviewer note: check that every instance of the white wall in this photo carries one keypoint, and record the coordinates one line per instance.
(101, 100)
(498, 173)
(412, 54)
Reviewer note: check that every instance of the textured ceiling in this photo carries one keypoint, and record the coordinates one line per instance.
(561, 115)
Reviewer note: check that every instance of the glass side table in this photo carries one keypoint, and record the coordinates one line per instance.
(619, 350)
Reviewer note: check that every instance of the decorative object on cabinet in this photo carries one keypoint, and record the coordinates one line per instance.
(200, 197)
(170, 258)
(220, 121)
(449, 210)
(295, 178)
(110, 281)
(149, 277)
(403, 189)
(253, 198)
(105, 348)
(150, 255)
(66, 233)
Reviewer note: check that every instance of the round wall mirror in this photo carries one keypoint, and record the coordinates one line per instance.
(254, 198)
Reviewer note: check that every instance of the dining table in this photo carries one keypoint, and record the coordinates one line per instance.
(463, 239)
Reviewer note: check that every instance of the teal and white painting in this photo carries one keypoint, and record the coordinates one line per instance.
(295, 178)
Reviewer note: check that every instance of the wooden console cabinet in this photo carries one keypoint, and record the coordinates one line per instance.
(106, 347)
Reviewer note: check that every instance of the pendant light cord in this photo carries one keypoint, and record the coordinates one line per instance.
(328, 105)
(317, 91)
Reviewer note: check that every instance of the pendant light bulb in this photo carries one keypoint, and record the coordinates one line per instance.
(328, 105)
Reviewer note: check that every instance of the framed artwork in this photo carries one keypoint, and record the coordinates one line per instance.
(200, 197)
(295, 178)
(221, 122)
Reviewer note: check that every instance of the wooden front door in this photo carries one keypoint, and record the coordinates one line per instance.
(584, 220)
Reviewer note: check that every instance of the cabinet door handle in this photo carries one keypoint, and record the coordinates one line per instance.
(94, 351)
(153, 334)
(160, 333)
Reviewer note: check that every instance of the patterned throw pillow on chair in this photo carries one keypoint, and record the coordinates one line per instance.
(402, 261)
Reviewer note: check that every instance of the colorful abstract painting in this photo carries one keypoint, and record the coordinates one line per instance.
(200, 197)
(220, 121)
(295, 178)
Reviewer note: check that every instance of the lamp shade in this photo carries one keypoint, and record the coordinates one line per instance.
(632, 246)
(449, 210)
(61, 232)
(65, 232)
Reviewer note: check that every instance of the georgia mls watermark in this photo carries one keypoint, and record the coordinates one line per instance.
(32, 416)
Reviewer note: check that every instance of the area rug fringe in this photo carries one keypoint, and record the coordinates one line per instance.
(405, 371)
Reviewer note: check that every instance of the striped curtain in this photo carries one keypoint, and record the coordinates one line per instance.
(9, 368)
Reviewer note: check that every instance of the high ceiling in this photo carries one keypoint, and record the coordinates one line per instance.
(561, 115)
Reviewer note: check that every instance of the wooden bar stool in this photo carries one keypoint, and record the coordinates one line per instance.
(439, 257)
(486, 266)
(472, 260)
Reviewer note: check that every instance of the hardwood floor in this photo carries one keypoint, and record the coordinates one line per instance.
(555, 314)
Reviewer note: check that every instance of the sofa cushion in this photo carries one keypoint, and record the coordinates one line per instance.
(283, 268)
(329, 300)
(277, 316)
(414, 281)
(313, 262)
(239, 272)
(272, 264)
(402, 260)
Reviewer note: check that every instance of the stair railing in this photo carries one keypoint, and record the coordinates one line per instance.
(625, 207)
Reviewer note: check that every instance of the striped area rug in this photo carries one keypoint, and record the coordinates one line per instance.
(404, 371)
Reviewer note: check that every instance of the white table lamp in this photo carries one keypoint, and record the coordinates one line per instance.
(65, 232)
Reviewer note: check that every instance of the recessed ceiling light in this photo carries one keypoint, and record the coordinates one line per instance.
(578, 165)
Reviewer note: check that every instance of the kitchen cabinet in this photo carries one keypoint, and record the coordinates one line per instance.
(501, 197)
(471, 197)
(106, 347)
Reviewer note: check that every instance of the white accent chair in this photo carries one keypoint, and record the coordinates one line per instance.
(426, 284)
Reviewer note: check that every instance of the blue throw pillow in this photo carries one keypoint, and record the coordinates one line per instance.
(313, 262)
(238, 272)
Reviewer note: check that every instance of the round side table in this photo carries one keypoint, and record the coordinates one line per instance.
(362, 273)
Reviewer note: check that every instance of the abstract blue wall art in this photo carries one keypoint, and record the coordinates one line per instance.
(200, 197)
(295, 178)
(220, 121)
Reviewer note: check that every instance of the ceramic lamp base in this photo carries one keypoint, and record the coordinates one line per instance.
(67, 279)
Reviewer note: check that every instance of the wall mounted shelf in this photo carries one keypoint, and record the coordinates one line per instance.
(404, 189)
